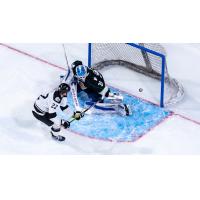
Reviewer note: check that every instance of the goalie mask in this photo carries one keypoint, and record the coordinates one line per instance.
(79, 70)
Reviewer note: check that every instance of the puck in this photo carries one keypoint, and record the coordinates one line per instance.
(140, 90)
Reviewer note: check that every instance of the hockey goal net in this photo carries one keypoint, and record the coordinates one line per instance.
(146, 58)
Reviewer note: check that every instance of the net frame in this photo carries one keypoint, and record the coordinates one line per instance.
(152, 63)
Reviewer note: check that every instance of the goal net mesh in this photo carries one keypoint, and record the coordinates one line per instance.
(106, 54)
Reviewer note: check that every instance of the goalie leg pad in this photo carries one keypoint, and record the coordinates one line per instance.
(114, 98)
(122, 109)
(102, 106)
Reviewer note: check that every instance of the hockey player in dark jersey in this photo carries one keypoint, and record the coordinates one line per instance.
(46, 109)
(92, 83)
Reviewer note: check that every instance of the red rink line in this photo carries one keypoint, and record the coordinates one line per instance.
(32, 56)
(191, 120)
(62, 68)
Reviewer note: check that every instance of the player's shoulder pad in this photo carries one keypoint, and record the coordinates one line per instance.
(90, 69)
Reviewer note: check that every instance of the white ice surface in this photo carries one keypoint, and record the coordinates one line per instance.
(23, 78)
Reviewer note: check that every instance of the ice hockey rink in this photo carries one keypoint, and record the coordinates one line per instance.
(29, 69)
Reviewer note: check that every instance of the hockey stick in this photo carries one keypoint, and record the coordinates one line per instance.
(65, 54)
(62, 138)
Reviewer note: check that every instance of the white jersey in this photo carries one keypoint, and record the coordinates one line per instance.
(50, 103)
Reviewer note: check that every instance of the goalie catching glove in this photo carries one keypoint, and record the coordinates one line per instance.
(78, 115)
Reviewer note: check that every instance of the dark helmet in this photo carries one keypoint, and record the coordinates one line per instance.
(63, 88)
(76, 63)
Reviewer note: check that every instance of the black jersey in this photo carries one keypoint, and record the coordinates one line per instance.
(94, 81)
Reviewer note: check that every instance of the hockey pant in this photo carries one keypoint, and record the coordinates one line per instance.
(43, 118)
(54, 123)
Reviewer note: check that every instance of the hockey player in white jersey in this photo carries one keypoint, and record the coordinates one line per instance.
(46, 109)
(83, 78)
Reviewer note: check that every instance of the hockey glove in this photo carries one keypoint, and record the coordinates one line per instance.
(78, 115)
(66, 124)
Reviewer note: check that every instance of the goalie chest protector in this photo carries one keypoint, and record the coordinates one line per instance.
(94, 81)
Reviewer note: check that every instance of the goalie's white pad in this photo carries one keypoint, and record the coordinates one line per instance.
(121, 109)
(115, 98)
(124, 110)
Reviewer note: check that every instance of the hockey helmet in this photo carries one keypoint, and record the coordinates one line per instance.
(63, 89)
(79, 70)
(76, 63)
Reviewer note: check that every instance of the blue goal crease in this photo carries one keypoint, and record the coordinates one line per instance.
(113, 127)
